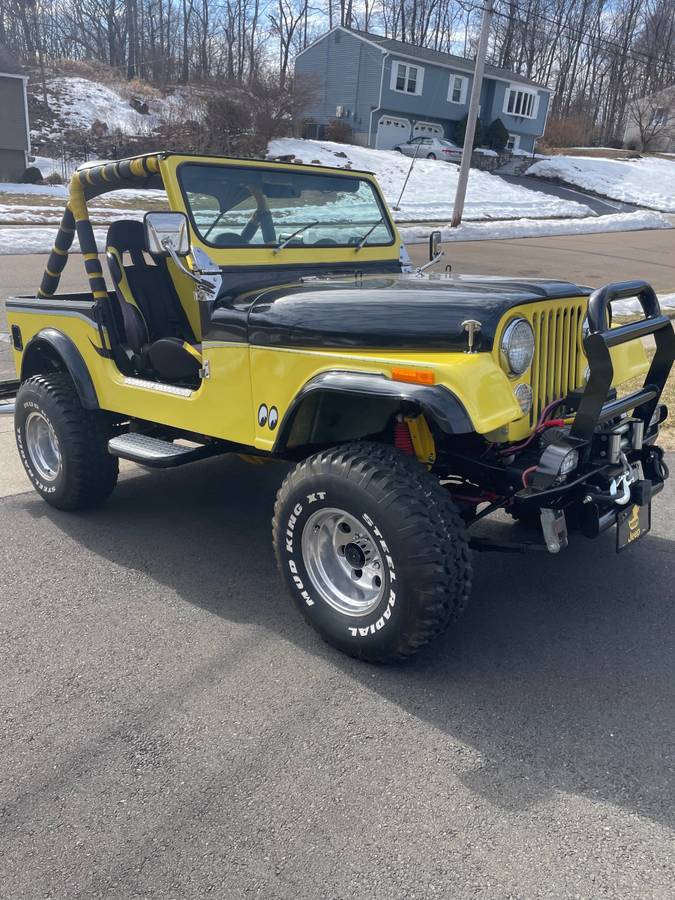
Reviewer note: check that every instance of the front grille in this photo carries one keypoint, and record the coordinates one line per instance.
(558, 365)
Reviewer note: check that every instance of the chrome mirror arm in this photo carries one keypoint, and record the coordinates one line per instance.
(432, 262)
(202, 283)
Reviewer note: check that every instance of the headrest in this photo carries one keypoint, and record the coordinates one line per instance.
(127, 236)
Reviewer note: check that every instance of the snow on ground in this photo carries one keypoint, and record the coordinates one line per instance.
(648, 182)
(521, 228)
(37, 240)
(52, 215)
(45, 190)
(430, 192)
(81, 102)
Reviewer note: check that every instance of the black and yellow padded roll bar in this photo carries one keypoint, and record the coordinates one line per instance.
(85, 184)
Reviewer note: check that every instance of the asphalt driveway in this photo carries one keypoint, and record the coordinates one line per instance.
(601, 206)
(171, 728)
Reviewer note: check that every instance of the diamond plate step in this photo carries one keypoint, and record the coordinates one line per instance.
(154, 452)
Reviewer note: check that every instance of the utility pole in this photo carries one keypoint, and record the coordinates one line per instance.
(488, 10)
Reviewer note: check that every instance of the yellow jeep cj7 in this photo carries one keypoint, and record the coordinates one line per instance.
(271, 313)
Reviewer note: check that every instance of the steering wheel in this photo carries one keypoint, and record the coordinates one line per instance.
(261, 218)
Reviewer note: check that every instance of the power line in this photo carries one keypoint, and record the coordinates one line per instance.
(607, 42)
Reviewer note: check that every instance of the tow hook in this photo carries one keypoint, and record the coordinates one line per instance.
(619, 489)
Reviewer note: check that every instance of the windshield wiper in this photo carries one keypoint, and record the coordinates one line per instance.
(290, 237)
(368, 233)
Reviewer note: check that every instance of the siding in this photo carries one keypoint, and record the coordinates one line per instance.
(433, 102)
(12, 164)
(13, 135)
(346, 72)
(517, 124)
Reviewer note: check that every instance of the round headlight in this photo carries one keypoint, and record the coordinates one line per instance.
(517, 346)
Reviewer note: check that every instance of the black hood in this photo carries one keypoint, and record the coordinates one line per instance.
(388, 312)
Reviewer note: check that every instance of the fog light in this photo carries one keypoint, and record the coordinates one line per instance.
(569, 463)
(523, 394)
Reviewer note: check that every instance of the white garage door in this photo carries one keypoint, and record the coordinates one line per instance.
(391, 131)
(428, 129)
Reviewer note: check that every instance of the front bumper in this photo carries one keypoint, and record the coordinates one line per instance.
(608, 459)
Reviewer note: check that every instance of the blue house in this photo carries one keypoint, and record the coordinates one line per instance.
(389, 91)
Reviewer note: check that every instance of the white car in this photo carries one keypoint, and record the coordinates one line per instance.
(431, 148)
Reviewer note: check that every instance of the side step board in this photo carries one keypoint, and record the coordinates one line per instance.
(8, 391)
(156, 453)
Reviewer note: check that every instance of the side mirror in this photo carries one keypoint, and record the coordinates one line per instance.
(434, 245)
(166, 232)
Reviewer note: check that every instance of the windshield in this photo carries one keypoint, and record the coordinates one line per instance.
(233, 206)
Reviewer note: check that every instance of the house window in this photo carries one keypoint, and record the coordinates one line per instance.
(457, 89)
(521, 102)
(407, 79)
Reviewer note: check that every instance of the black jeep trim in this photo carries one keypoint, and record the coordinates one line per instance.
(68, 353)
(594, 409)
(441, 405)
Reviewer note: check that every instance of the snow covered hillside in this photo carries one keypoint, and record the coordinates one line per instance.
(648, 182)
(79, 103)
(430, 192)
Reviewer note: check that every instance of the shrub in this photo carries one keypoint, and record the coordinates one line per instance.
(339, 131)
(54, 178)
(576, 131)
(460, 132)
(497, 135)
(32, 175)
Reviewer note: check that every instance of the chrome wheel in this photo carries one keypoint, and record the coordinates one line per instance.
(42, 446)
(343, 561)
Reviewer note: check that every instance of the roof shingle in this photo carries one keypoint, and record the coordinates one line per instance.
(424, 54)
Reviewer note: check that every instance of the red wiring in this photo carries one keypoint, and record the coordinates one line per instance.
(539, 427)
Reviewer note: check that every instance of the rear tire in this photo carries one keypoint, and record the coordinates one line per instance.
(62, 445)
(373, 551)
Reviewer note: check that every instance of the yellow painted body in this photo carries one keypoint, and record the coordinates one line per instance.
(243, 377)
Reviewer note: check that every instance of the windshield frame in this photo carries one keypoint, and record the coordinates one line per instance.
(305, 170)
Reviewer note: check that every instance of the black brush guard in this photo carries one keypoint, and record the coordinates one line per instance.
(594, 409)
(598, 419)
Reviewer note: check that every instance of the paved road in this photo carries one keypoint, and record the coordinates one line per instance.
(170, 728)
(600, 205)
(591, 259)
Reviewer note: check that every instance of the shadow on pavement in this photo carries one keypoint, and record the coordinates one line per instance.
(560, 673)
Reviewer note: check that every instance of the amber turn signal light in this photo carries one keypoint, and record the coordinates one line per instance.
(413, 376)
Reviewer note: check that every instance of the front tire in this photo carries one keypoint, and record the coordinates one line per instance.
(63, 447)
(431, 156)
(372, 549)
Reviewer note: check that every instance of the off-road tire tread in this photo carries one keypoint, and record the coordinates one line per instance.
(94, 471)
(430, 514)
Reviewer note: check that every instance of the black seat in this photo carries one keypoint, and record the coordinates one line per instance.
(156, 328)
